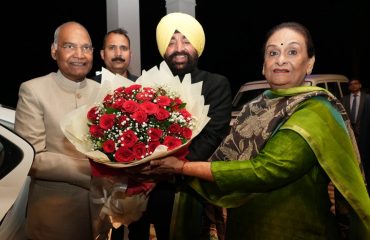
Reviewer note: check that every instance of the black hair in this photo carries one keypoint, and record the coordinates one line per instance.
(117, 31)
(297, 27)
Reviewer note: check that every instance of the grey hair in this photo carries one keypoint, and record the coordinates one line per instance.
(56, 36)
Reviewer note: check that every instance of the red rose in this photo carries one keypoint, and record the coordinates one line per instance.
(149, 107)
(123, 120)
(186, 132)
(155, 134)
(139, 150)
(130, 106)
(118, 103)
(137, 120)
(132, 88)
(162, 114)
(171, 142)
(178, 101)
(163, 101)
(149, 90)
(96, 131)
(119, 91)
(92, 114)
(107, 121)
(128, 138)
(144, 97)
(174, 128)
(140, 116)
(152, 146)
(107, 102)
(109, 146)
(185, 113)
(124, 154)
(178, 104)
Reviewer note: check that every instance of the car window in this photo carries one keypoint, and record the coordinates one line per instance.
(10, 152)
(344, 87)
(322, 85)
(244, 97)
(333, 87)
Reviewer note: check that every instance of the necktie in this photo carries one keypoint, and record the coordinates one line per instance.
(353, 109)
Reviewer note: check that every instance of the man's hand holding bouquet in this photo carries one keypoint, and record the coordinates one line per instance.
(128, 124)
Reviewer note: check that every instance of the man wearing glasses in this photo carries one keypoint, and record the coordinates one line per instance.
(58, 204)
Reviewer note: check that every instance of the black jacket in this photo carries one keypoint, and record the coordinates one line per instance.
(217, 93)
(129, 76)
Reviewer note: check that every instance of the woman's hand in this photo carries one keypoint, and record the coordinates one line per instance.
(166, 165)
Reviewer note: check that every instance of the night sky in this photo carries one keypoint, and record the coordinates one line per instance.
(234, 36)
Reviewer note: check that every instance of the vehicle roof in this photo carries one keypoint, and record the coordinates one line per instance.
(317, 78)
(321, 77)
(252, 89)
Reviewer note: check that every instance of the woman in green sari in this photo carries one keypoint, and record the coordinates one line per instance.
(286, 147)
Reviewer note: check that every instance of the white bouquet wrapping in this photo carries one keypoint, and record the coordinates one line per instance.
(127, 124)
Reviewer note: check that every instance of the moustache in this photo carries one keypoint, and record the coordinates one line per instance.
(179, 53)
(118, 59)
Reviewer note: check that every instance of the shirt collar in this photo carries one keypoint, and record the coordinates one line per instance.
(68, 84)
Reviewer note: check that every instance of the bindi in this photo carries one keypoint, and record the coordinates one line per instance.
(281, 44)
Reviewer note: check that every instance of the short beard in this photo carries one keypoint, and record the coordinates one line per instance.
(188, 67)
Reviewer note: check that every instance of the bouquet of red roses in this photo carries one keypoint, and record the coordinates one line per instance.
(133, 121)
(130, 123)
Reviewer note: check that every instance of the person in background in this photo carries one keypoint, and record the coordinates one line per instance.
(273, 169)
(58, 201)
(181, 40)
(364, 139)
(116, 54)
(354, 104)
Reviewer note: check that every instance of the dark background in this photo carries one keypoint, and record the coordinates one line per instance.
(234, 36)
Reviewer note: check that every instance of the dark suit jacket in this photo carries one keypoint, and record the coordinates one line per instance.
(129, 76)
(364, 140)
(347, 105)
(217, 93)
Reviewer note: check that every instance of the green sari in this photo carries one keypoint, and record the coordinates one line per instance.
(272, 171)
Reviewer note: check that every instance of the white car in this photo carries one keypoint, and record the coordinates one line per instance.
(16, 157)
(7, 116)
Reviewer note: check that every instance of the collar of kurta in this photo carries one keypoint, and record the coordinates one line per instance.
(68, 84)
